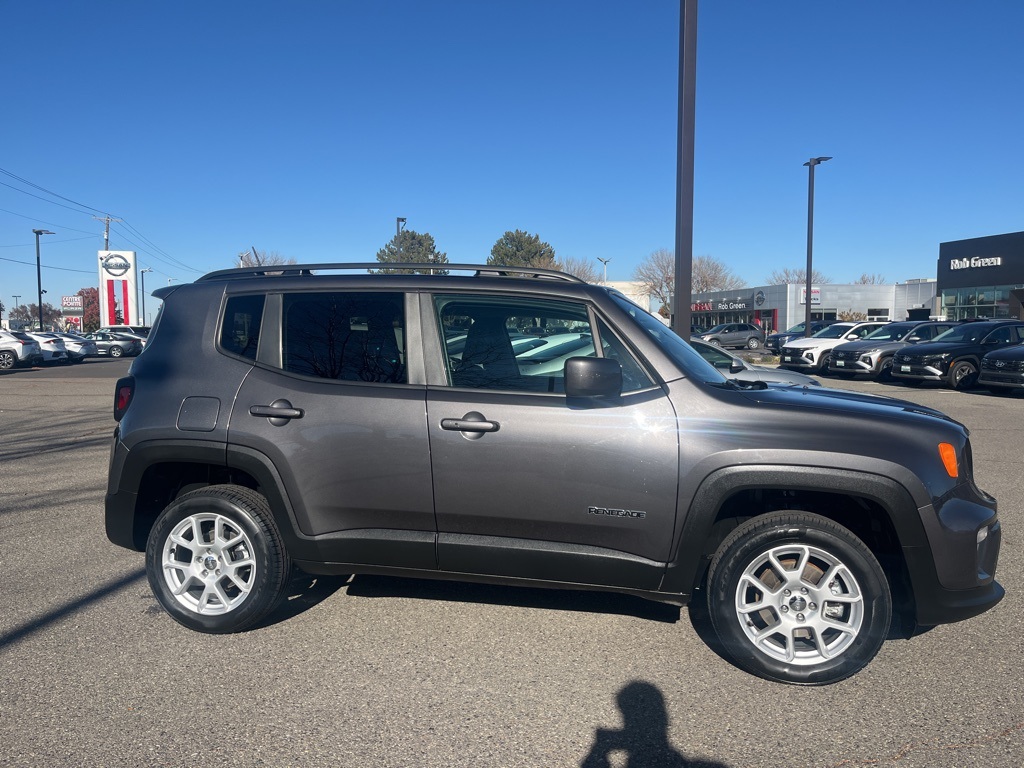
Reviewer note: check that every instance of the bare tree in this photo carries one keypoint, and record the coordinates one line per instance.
(710, 274)
(849, 314)
(866, 279)
(255, 258)
(583, 268)
(798, 276)
(656, 275)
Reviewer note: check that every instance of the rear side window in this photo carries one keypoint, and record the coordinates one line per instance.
(345, 335)
(240, 331)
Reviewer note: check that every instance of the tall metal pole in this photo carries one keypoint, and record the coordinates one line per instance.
(684, 172)
(810, 239)
(142, 274)
(605, 262)
(39, 276)
(399, 221)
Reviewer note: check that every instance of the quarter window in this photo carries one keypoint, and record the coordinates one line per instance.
(240, 330)
(345, 336)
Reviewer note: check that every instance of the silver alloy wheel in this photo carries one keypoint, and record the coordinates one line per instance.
(208, 564)
(799, 604)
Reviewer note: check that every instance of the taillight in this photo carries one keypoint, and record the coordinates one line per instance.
(123, 391)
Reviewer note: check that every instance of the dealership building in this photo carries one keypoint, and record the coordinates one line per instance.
(778, 307)
(981, 277)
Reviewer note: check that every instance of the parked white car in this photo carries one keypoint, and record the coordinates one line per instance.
(18, 348)
(51, 345)
(813, 354)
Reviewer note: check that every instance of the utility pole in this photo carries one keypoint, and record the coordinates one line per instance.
(106, 230)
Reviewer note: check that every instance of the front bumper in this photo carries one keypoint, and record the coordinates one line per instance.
(919, 371)
(955, 579)
(798, 360)
(1007, 380)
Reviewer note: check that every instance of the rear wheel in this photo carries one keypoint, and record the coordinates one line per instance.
(753, 342)
(7, 360)
(215, 559)
(797, 598)
(115, 351)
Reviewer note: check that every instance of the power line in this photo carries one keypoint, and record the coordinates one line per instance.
(47, 266)
(49, 223)
(54, 194)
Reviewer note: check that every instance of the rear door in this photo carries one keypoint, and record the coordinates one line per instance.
(531, 484)
(331, 404)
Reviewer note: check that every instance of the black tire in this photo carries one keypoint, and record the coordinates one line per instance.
(885, 370)
(115, 351)
(850, 635)
(753, 342)
(826, 359)
(715, 342)
(7, 360)
(962, 375)
(207, 575)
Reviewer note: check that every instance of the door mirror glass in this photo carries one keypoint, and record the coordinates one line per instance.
(593, 377)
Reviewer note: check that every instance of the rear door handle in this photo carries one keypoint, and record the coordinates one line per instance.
(279, 412)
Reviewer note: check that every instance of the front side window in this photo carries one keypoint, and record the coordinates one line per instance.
(521, 344)
(346, 336)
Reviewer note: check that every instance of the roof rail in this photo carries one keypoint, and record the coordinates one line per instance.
(296, 270)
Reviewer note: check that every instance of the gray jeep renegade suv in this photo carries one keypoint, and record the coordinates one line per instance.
(341, 422)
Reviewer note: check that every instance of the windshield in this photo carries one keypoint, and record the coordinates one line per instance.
(798, 328)
(891, 332)
(833, 331)
(969, 332)
(685, 356)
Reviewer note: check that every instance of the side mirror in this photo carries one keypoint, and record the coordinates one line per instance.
(592, 377)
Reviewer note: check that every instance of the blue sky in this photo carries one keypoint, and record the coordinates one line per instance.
(306, 127)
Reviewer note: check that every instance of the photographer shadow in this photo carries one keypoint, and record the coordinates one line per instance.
(644, 735)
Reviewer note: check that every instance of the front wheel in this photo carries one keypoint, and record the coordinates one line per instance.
(215, 559)
(963, 375)
(797, 598)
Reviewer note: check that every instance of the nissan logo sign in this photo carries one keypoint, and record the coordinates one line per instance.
(116, 265)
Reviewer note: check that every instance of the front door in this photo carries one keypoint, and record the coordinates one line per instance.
(530, 484)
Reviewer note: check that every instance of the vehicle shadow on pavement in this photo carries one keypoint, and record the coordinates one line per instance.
(643, 739)
(521, 597)
(302, 592)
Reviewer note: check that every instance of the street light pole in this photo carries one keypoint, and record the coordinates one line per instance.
(399, 221)
(810, 238)
(39, 275)
(605, 262)
(142, 273)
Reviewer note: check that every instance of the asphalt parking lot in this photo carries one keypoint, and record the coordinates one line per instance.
(387, 672)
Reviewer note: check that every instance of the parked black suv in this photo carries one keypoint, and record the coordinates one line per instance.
(954, 357)
(367, 423)
(1002, 370)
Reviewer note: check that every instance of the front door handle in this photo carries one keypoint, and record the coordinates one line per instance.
(279, 412)
(473, 425)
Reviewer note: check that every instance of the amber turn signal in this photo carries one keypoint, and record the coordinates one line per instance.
(948, 454)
